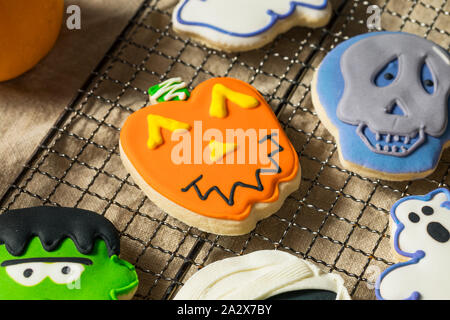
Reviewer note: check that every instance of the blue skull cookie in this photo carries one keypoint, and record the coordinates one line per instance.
(385, 97)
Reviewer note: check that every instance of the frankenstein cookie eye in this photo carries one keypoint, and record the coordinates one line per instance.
(413, 217)
(64, 273)
(387, 75)
(428, 211)
(28, 273)
(65, 270)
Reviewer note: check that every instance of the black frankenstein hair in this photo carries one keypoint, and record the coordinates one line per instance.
(54, 224)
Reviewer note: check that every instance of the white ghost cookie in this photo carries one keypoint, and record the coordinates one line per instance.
(235, 25)
(265, 274)
(422, 239)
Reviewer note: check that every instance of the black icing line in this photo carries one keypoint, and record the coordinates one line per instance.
(52, 225)
(85, 261)
(258, 186)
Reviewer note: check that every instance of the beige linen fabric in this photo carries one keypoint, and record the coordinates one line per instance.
(31, 103)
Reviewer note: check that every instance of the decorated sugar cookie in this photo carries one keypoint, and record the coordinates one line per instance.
(421, 234)
(218, 161)
(50, 253)
(236, 25)
(265, 274)
(385, 97)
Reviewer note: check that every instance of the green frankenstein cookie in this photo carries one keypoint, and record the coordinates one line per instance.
(51, 253)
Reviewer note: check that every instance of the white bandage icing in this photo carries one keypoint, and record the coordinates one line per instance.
(259, 275)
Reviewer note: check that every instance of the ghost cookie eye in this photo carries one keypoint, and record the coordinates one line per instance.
(428, 211)
(413, 217)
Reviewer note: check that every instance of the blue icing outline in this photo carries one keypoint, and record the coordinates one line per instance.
(330, 88)
(419, 254)
(274, 18)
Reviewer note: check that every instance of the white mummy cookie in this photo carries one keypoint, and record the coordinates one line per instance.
(236, 25)
(265, 274)
(422, 238)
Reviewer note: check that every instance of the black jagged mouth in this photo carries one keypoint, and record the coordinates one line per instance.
(258, 186)
(391, 144)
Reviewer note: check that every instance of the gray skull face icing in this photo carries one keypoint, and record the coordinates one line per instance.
(396, 92)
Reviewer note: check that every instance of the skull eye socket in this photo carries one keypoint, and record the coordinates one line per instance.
(427, 79)
(387, 75)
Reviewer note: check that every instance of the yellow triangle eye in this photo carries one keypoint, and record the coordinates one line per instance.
(220, 94)
(219, 149)
(155, 123)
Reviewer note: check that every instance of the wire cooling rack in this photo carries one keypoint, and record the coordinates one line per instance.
(337, 219)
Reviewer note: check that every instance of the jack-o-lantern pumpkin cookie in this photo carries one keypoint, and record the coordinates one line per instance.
(51, 253)
(420, 232)
(218, 161)
(385, 97)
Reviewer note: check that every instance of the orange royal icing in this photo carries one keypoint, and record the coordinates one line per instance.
(148, 142)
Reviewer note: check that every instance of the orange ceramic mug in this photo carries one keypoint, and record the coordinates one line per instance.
(28, 31)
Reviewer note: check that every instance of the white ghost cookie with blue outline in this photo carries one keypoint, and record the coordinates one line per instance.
(236, 25)
(420, 228)
(385, 97)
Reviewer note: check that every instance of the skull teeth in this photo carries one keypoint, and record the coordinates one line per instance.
(388, 148)
(389, 139)
(392, 144)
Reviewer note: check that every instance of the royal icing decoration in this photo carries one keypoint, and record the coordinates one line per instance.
(156, 123)
(171, 89)
(220, 149)
(386, 94)
(257, 186)
(49, 253)
(421, 235)
(221, 94)
(239, 24)
(265, 274)
(216, 154)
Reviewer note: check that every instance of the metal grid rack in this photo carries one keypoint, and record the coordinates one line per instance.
(337, 219)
